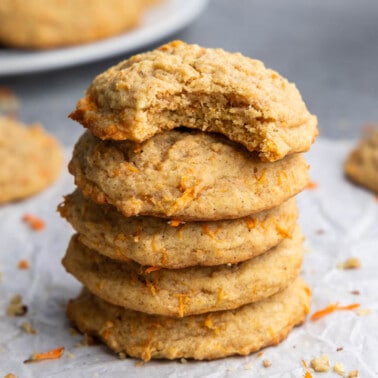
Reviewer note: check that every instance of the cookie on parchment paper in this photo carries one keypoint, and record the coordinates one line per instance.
(202, 337)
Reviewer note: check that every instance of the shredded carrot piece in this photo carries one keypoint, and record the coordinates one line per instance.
(49, 355)
(34, 223)
(331, 308)
(251, 223)
(152, 269)
(307, 373)
(211, 233)
(207, 231)
(312, 185)
(23, 264)
(175, 222)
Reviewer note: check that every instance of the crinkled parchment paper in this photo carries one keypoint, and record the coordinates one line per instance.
(338, 219)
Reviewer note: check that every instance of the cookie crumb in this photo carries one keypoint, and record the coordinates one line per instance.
(261, 353)
(16, 307)
(70, 355)
(28, 328)
(338, 368)
(122, 356)
(266, 363)
(320, 364)
(353, 374)
(355, 292)
(139, 364)
(350, 263)
(183, 360)
(363, 311)
(73, 331)
(248, 366)
(10, 375)
(339, 349)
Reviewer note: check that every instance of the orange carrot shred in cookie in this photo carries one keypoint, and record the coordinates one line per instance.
(23, 264)
(49, 355)
(175, 222)
(152, 269)
(34, 223)
(332, 308)
(312, 185)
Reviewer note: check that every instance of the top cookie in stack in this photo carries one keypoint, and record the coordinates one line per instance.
(206, 89)
(184, 211)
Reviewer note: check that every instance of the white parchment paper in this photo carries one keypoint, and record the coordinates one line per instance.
(338, 219)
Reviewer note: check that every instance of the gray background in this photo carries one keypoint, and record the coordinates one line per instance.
(328, 48)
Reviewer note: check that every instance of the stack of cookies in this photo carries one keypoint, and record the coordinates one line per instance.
(187, 239)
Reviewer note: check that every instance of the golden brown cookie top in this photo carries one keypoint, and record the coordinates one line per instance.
(208, 89)
(30, 159)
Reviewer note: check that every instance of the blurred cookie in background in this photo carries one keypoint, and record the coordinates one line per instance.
(361, 166)
(30, 159)
(41, 24)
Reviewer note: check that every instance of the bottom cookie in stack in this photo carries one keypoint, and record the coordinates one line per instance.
(202, 337)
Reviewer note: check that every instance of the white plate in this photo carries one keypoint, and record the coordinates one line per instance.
(158, 22)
